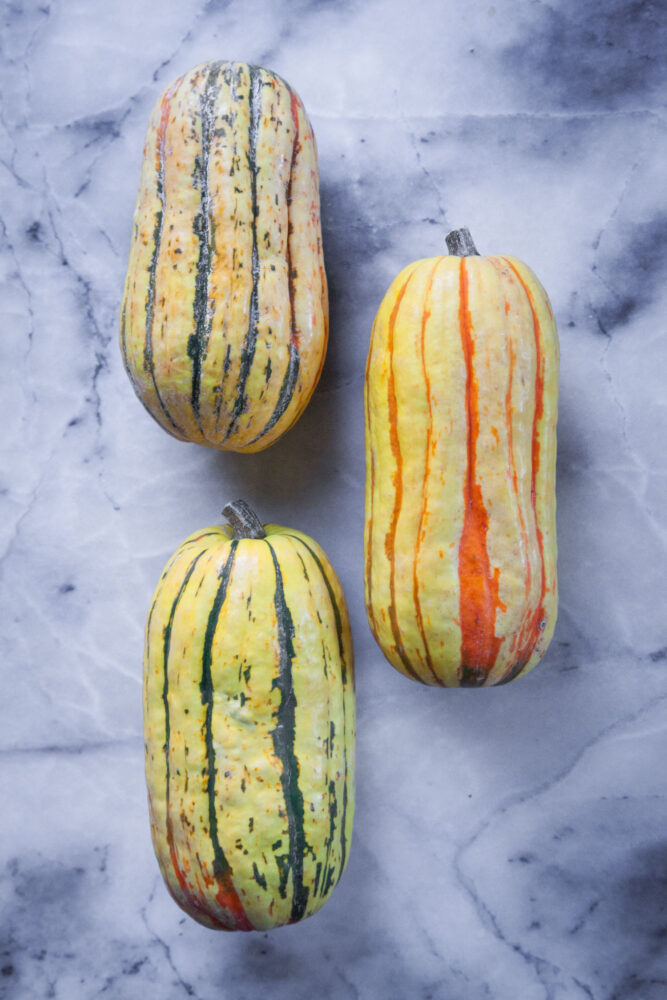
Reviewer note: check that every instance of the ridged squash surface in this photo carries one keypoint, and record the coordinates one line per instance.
(224, 321)
(249, 722)
(461, 405)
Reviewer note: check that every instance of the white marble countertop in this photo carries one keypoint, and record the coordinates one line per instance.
(509, 843)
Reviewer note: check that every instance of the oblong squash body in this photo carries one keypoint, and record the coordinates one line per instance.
(460, 539)
(249, 723)
(224, 320)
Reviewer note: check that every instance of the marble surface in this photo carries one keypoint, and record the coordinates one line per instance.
(509, 843)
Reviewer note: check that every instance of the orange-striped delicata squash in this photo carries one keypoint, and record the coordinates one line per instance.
(225, 313)
(249, 721)
(461, 401)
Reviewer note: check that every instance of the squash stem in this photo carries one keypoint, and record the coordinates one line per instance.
(459, 243)
(243, 520)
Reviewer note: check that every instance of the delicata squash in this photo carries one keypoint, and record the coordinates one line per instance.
(461, 405)
(249, 723)
(224, 320)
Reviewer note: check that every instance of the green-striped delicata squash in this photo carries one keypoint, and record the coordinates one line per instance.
(249, 723)
(224, 320)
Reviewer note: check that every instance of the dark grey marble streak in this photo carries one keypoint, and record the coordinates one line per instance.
(585, 55)
(508, 843)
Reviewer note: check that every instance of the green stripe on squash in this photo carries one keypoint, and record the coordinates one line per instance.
(224, 320)
(249, 725)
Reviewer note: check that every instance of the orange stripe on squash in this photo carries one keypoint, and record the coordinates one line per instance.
(398, 487)
(479, 602)
(531, 632)
(427, 471)
(464, 362)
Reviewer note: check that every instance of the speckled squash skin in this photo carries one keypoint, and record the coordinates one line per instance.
(461, 406)
(224, 321)
(249, 724)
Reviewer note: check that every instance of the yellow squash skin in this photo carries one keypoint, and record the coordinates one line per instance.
(461, 406)
(224, 321)
(249, 724)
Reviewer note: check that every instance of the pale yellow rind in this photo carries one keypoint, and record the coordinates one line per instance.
(417, 451)
(252, 822)
(221, 400)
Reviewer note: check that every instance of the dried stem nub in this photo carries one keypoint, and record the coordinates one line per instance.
(459, 243)
(243, 520)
